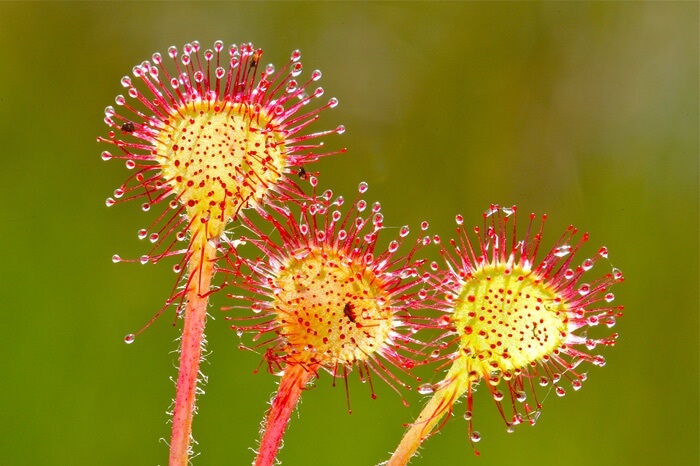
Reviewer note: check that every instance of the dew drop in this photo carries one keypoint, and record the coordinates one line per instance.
(316, 75)
(577, 384)
(492, 210)
(617, 274)
(521, 396)
(498, 395)
(562, 250)
(560, 391)
(468, 416)
(599, 361)
(153, 238)
(177, 268)
(363, 187)
(569, 274)
(584, 289)
(116, 258)
(426, 389)
(109, 202)
(256, 308)
(143, 259)
(332, 103)
(130, 164)
(145, 206)
(106, 156)
(475, 437)
(142, 233)
(603, 252)
(544, 381)
(129, 339)
(508, 211)
(609, 297)
(459, 219)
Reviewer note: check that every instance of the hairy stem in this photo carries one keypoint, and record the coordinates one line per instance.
(201, 267)
(439, 405)
(293, 382)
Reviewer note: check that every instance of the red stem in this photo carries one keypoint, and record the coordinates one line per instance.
(201, 267)
(293, 382)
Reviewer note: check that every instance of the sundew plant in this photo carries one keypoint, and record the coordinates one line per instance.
(206, 134)
(324, 298)
(218, 148)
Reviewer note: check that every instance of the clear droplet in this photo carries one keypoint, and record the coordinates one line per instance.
(562, 250)
(116, 258)
(475, 437)
(426, 389)
(129, 339)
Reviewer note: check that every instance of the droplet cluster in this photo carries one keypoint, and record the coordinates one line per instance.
(325, 294)
(210, 132)
(518, 323)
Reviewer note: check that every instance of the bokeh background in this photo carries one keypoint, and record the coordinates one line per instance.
(585, 111)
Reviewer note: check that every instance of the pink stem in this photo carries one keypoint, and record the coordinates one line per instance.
(200, 273)
(293, 382)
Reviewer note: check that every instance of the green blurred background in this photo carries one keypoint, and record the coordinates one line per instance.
(585, 111)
